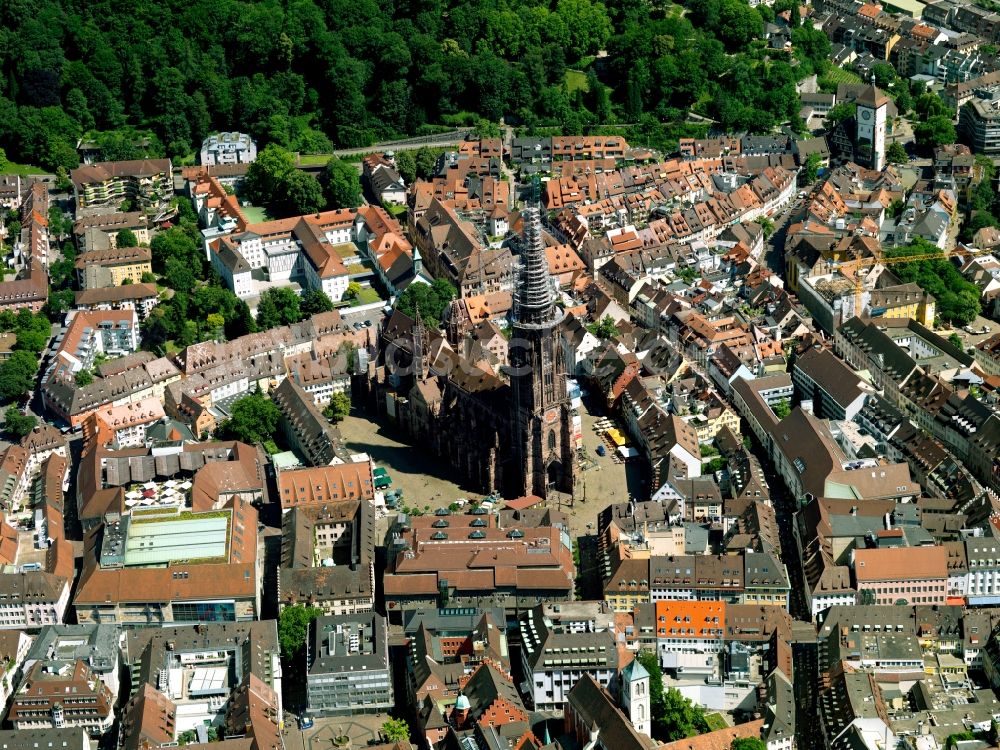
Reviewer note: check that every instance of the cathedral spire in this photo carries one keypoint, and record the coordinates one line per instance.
(534, 303)
(419, 337)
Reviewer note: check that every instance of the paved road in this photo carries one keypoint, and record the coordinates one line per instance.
(439, 140)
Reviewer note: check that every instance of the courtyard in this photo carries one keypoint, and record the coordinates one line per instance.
(363, 729)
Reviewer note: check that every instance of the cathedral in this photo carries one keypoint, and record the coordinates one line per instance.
(505, 429)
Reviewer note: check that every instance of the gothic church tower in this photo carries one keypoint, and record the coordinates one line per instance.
(542, 427)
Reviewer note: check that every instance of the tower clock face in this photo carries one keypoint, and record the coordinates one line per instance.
(551, 415)
(866, 114)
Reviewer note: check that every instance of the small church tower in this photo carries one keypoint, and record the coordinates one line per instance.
(634, 697)
(872, 109)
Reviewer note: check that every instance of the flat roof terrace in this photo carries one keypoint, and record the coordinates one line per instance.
(161, 542)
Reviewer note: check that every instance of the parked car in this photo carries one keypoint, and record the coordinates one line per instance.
(305, 722)
(601, 451)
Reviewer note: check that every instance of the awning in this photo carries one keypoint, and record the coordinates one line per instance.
(616, 437)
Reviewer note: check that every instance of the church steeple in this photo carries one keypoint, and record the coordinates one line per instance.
(534, 303)
(542, 421)
(419, 341)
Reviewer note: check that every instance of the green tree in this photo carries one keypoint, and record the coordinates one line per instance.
(84, 378)
(838, 113)
(241, 322)
(126, 238)
(341, 184)
(936, 131)
(811, 168)
(958, 300)
(268, 174)
(179, 275)
(181, 244)
(587, 24)
(929, 105)
(298, 194)
(16, 424)
(424, 162)
(353, 290)
(748, 743)
(766, 224)
(604, 328)
(406, 165)
(293, 629)
(980, 220)
(278, 306)
(340, 407)
(395, 730)
(431, 300)
(782, 409)
(680, 718)
(896, 154)
(17, 375)
(956, 341)
(315, 301)
(253, 419)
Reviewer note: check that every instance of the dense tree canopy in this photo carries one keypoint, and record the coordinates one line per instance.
(253, 419)
(431, 301)
(957, 299)
(16, 424)
(152, 78)
(278, 307)
(17, 375)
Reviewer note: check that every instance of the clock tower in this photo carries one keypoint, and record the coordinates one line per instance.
(542, 431)
(872, 109)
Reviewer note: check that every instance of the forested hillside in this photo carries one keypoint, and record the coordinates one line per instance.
(313, 74)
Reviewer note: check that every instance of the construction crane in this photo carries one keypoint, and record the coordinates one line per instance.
(879, 259)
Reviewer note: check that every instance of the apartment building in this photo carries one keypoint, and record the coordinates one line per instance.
(228, 148)
(696, 578)
(100, 231)
(834, 389)
(554, 660)
(979, 121)
(148, 182)
(349, 672)
(113, 266)
(328, 557)
(123, 426)
(689, 628)
(914, 575)
(14, 646)
(139, 297)
(211, 673)
(32, 599)
(304, 427)
(326, 484)
(60, 694)
(982, 556)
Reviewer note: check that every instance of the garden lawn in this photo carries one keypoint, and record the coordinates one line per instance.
(255, 214)
(576, 80)
(368, 296)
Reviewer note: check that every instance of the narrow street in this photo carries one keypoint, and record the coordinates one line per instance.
(806, 678)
